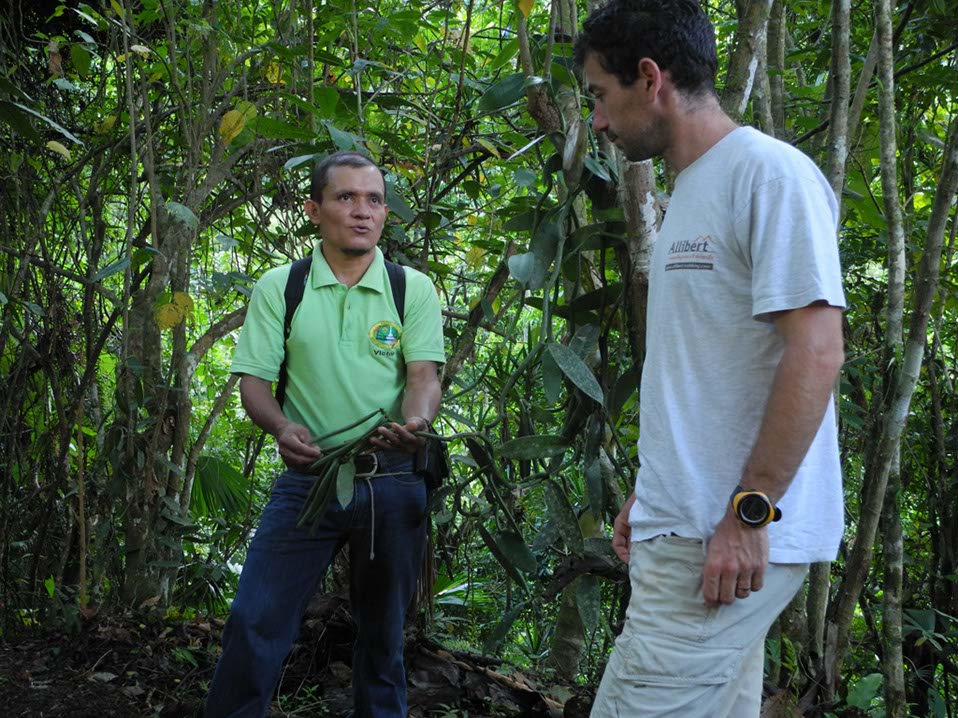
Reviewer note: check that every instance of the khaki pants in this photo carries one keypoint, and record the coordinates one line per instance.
(677, 657)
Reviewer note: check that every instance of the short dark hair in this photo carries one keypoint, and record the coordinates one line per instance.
(320, 176)
(676, 34)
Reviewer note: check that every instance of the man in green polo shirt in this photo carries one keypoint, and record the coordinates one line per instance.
(348, 353)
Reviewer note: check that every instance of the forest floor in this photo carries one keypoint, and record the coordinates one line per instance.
(131, 666)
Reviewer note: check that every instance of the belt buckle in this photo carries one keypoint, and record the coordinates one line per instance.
(375, 466)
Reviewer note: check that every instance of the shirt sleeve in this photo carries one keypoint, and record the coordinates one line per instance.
(422, 325)
(260, 348)
(790, 229)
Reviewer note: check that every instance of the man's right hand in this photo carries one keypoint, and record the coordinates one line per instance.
(622, 531)
(295, 447)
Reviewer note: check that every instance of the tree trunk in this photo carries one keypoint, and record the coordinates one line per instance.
(893, 552)
(840, 82)
(899, 394)
(749, 39)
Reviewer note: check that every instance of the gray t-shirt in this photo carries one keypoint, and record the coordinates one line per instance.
(750, 230)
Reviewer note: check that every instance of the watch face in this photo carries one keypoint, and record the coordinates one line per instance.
(752, 509)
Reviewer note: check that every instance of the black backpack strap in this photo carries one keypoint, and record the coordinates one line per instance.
(397, 280)
(295, 288)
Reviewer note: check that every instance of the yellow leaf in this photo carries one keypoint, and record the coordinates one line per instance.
(274, 73)
(141, 50)
(489, 146)
(121, 58)
(475, 256)
(106, 125)
(58, 148)
(472, 220)
(231, 125)
(168, 316)
(526, 6)
(117, 8)
(474, 303)
(183, 302)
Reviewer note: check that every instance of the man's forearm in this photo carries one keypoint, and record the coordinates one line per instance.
(421, 401)
(261, 405)
(422, 395)
(800, 393)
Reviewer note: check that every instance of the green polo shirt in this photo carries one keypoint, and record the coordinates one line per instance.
(347, 349)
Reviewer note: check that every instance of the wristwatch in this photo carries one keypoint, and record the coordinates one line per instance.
(753, 508)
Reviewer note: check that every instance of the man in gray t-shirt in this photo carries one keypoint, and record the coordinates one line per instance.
(740, 482)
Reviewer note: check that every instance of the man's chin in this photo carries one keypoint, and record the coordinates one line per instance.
(357, 251)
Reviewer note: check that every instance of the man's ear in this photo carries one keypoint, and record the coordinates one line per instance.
(313, 210)
(650, 76)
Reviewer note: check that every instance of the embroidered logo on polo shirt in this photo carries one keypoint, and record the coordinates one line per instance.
(385, 335)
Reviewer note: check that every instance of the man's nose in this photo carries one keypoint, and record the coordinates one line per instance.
(600, 123)
(361, 208)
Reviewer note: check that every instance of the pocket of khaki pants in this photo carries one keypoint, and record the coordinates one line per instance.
(671, 661)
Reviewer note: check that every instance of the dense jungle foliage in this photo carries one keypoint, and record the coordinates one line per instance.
(154, 156)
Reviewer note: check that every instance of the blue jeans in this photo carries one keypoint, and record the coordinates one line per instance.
(385, 525)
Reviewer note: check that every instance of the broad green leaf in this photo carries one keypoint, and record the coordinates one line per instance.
(544, 246)
(509, 50)
(274, 129)
(562, 512)
(398, 205)
(524, 268)
(865, 691)
(503, 558)
(576, 370)
(35, 309)
(342, 140)
(80, 57)
(595, 482)
(625, 386)
(11, 89)
(585, 340)
(568, 641)
(14, 117)
(516, 550)
(551, 377)
(597, 169)
(297, 161)
(110, 270)
(526, 448)
(596, 299)
(345, 483)
(50, 586)
(525, 177)
(326, 99)
(501, 630)
(183, 214)
(506, 92)
(59, 128)
(588, 598)
(3, 299)
(546, 535)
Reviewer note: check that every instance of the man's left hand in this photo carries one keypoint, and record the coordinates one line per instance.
(400, 437)
(735, 563)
